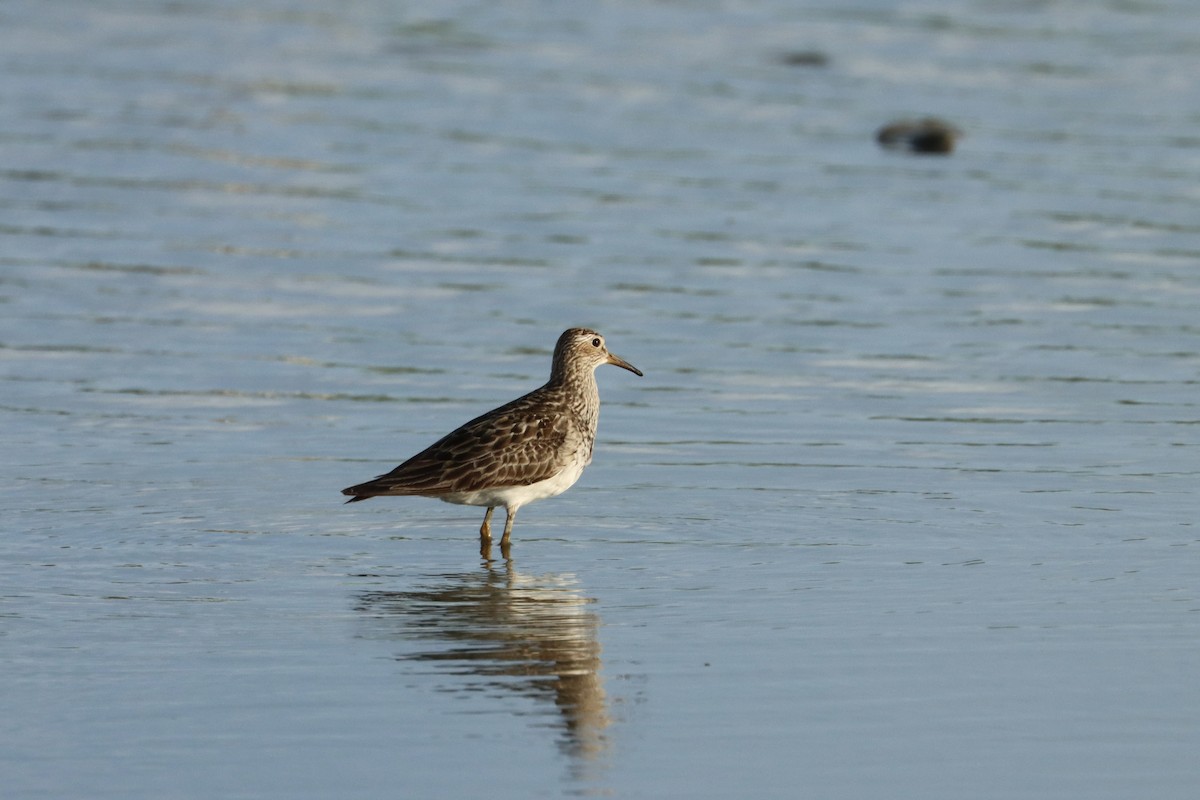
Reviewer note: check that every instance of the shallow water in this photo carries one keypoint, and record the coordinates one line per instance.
(903, 506)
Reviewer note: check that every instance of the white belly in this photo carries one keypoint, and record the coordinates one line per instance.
(513, 497)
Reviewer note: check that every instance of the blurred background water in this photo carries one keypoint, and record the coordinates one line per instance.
(904, 506)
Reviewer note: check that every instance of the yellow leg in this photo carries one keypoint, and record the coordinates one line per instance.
(485, 530)
(485, 550)
(510, 515)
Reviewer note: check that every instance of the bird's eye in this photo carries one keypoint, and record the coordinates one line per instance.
(595, 342)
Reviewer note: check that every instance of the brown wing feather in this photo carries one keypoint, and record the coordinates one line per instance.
(509, 446)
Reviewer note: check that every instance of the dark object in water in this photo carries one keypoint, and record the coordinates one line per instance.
(804, 58)
(928, 136)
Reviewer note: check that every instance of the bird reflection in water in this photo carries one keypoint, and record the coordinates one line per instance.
(496, 625)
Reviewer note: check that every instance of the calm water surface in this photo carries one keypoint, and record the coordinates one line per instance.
(903, 507)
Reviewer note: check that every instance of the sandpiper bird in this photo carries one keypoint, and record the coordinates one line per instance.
(532, 448)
